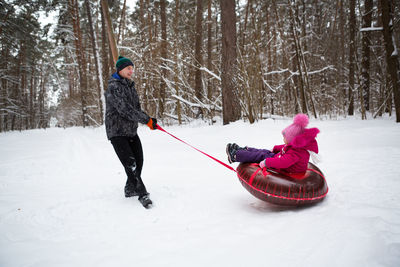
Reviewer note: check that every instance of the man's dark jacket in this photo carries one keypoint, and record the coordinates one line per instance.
(123, 111)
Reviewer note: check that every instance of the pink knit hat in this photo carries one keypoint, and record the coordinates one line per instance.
(300, 122)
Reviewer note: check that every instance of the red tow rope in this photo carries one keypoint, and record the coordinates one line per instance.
(211, 157)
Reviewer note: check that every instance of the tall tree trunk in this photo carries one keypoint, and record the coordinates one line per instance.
(296, 43)
(176, 51)
(3, 90)
(209, 50)
(342, 61)
(144, 45)
(121, 22)
(270, 36)
(244, 30)
(285, 55)
(163, 58)
(22, 85)
(42, 95)
(176, 73)
(365, 57)
(230, 101)
(99, 81)
(259, 81)
(352, 56)
(80, 56)
(104, 54)
(149, 28)
(32, 97)
(110, 32)
(303, 47)
(392, 61)
(148, 54)
(198, 54)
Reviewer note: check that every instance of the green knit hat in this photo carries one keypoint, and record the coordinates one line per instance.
(122, 63)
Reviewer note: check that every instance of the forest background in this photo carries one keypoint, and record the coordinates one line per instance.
(199, 59)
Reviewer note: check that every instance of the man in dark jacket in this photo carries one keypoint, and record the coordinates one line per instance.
(123, 112)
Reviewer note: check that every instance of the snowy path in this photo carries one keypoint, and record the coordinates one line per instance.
(62, 203)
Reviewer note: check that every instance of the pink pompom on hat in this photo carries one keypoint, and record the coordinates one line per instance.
(300, 122)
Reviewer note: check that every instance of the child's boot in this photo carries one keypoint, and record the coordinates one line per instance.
(237, 147)
(231, 150)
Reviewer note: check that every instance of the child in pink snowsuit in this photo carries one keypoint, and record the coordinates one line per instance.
(291, 157)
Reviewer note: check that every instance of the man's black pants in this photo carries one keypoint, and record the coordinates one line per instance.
(130, 153)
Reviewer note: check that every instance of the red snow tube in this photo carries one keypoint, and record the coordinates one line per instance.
(283, 189)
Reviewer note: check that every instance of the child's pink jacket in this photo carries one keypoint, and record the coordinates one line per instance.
(294, 157)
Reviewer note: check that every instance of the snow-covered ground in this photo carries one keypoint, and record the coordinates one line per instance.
(62, 202)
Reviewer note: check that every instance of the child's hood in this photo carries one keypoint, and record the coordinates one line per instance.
(306, 140)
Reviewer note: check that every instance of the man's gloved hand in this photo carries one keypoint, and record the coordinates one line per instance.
(152, 123)
(262, 164)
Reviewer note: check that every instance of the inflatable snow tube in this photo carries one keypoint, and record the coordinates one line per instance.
(283, 189)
